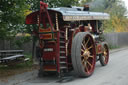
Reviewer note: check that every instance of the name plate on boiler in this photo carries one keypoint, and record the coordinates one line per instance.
(76, 18)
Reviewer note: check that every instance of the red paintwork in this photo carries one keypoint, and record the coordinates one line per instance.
(76, 31)
(52, 28)
(46, 36)
(41, 44)
(45, 30)
(43, 8)
(42, 4)
(32, 18)
(49, 55)
(107, 58)
(93, 25)
(58, 52)
(99, 48)
(49, 67)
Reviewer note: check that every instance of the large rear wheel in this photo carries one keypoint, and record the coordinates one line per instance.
(83, 54)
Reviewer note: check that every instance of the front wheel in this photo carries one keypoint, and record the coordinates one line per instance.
(104, 57)
(83, 54)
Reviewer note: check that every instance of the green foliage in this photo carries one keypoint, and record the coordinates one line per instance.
(61, 3)
(52, 3)
(18, 43)
(118, 21)
(117, 11)
(116, 8)
(113, 46)
(11, 17)
(82, 2)
(34, 4)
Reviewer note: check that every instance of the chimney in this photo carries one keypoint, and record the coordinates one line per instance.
(86, 7)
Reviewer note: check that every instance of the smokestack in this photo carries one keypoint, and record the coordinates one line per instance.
(86, 7)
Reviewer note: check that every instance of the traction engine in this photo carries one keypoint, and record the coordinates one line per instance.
(69, 39)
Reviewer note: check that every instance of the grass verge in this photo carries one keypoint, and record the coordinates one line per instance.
(113, 47)
(6, 71)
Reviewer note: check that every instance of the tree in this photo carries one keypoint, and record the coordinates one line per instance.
(62, 3)
(82, 2)
(34, 4)
(52, 3)
(11, 17)
(115, 7)
(117, 11)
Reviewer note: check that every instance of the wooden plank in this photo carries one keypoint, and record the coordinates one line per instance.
(12, 57)
(6, 51)
(26, 59)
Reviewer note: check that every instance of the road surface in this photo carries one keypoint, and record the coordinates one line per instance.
(115, 73)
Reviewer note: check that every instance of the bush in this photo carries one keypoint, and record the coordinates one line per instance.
(20, 41)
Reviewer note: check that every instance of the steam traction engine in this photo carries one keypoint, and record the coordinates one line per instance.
(69, 39)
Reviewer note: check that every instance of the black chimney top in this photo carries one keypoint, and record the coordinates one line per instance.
(86, 7)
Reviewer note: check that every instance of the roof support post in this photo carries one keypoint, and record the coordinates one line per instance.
(57, 26)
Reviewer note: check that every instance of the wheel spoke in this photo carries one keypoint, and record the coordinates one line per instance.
(85, 65)
(90, 47)
(105, 49)
(89, 64)
(82, 50)
(83, 61)
(85, 57)
(83, 46)
(104, 57)
(87, 42)
(84, 42)
(90, 57)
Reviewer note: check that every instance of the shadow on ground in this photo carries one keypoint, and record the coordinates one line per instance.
(55, 79)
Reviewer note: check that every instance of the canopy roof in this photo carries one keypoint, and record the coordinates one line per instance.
(68, 14)
(73, 14)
